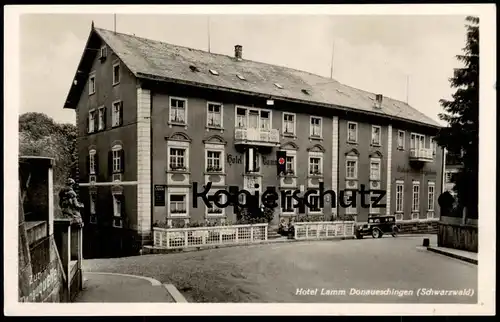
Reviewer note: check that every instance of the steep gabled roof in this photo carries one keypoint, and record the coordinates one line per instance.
(161, 61)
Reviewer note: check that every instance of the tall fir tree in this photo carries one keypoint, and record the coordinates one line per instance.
(461, 113)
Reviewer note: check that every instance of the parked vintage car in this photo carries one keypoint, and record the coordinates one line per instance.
(378, 226)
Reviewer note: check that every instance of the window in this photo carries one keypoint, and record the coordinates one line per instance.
(430, 196)
(351, 169)
(178, 110)
(417, 141)
(91, 84)
(314, 203)
(315, 129)
(117, 205)
(117, 155)
(214, 210)
(117, 113)
(214, 161)
(252, 159)
(177, 157)
(104, 52)
(102, 118)
(351, 210)
(401, 140)
(352, 132)
(92, 203)
(92, 121)
(376, 135)
(374, 170)
(288, 123)
(214, 115)
(92, 162)
(253, 118)
(288, 204)
(116, 73)
(177, 204)
(449, 176)
(415, 200)
(399, 197)
(433, 146)
(315, 165)
(290, 164)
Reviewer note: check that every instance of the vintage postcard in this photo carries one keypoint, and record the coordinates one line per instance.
(303, 160)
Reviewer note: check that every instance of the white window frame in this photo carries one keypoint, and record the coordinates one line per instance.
(351, 210)
(92, 83)
(320, 136)
(222, 200)
(256, 155)
(178, 157)
(356, 160)
(117, 210)
(319, 211)
(178, 145)
(104, 49)
(316, 155)
(101, 118)
(115, 115)
(400, 206)
(294, 124)
(417, 204)
(185, 100)
(221, 158)
(291, 166)
(178, 191)
(356, 132)
(379, 162)
(417, 137)
(92, 154)
(221, 107)
(92, 120)
(116, 82)
(379, 135)
(294, 210)
(247, 117)
(402, 145)
(431, 201)
(115, 150)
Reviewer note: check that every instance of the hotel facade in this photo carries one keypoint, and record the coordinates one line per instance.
(154, 118)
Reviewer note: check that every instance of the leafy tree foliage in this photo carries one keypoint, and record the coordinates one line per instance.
(461, 113)
(40, 135)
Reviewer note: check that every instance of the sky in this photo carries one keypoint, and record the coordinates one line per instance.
(403, 57)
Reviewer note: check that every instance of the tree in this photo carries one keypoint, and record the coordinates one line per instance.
(40, 135)
(461, 113)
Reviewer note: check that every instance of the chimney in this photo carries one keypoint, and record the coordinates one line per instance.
(378, 100)
(238, 52)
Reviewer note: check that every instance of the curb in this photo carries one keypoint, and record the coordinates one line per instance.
(456, 256)
(153, 281)
(174, 292)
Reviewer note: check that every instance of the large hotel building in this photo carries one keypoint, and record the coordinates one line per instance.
(153, 118)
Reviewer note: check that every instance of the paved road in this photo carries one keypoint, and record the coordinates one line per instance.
(274, 272)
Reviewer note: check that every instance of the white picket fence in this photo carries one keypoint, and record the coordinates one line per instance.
(178, 238)
(323, 229)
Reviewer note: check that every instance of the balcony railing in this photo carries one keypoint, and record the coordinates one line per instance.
(257, 136)
(424, 155)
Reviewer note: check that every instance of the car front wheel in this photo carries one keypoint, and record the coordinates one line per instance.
(376, 233)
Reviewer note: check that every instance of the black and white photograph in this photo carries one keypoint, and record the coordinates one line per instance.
(232, 155)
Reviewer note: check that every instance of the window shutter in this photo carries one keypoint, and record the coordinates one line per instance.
(104, 118)
(87, 164)
(121, 114)
(110, 163)
(122, 160)
(96, 163)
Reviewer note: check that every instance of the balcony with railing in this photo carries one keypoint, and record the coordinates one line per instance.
(259, 137)
(422, 155)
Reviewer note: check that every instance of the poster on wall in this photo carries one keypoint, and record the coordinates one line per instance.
(159, 195)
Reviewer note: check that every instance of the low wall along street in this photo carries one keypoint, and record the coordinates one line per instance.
(463, 237)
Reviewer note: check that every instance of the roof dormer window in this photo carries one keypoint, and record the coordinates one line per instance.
(278, 85)
(213, 72)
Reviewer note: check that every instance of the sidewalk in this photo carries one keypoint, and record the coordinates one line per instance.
(466, 256)
(120, 288)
